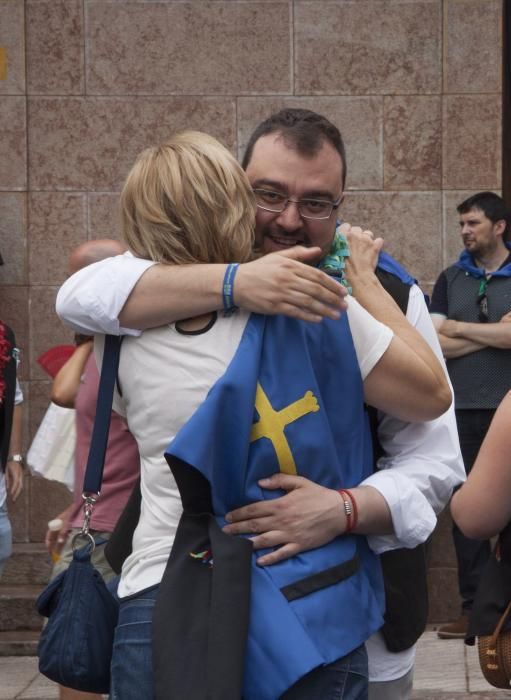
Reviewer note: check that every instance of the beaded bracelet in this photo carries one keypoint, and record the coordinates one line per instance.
(350, 509)
(227, 289)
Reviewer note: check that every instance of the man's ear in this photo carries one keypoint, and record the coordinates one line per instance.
(500, 227)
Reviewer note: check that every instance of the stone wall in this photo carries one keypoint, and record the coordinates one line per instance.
(414, 85)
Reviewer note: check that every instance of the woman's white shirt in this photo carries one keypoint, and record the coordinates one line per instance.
(164, 376)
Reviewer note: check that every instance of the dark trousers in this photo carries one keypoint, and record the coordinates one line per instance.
(471, 555)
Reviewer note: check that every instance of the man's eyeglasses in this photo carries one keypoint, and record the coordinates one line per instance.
(276, 202)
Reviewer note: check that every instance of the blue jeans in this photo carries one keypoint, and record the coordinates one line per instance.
(344, 679)
(132, 672)
(5, 537)
(132, 666)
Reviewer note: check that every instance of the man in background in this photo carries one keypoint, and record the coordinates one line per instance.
(471, 311)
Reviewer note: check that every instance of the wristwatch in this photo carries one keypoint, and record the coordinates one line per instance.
(16, 458)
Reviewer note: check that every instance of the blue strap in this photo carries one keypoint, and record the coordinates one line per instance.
(99, 440)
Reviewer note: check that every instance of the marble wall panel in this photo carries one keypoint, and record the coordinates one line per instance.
(360, 120)
(206, 48)
(46, 329)
(13, 143)
(410, 223)
(13, 237)
(12, 41)
(472, 157)
(367, 47)
(48, 499)
(40, 394)
(55, 47)
(91, 143)
(441, 552)
(14, 311)
(444, 599)
(412, 142)
(18, 514)
(58, 223)
(472, 46)
(103, 215)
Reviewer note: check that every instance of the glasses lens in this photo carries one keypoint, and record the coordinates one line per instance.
(315, 208)
(271, 201)
(482, 300)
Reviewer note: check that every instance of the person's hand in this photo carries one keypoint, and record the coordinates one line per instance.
(307, 516)
(450, 328)
(285, 283)
(364, 251)
(506, 318)
(14, 479)
(55, 539)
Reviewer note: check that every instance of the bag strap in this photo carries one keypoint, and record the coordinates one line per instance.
(96, 459)
(498, 628)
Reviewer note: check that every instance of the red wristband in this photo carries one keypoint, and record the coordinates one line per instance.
(350, 509)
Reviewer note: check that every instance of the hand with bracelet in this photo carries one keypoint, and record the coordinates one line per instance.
(14, 476)
(306, 517)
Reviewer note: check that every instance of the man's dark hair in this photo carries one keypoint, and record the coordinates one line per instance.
(302, 130)
(492, 206)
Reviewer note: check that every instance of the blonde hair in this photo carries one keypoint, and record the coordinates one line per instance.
(188, 201)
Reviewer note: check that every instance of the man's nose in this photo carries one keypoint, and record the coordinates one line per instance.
(290, 218)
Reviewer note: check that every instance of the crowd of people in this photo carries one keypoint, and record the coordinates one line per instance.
(283, 375)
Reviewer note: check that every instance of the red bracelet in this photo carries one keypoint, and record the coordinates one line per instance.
(350, 509)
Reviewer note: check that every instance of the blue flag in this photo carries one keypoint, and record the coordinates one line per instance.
(291, 401)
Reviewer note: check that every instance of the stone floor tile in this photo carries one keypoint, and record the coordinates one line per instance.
(16, 673)
(40, 688)
(432, 661)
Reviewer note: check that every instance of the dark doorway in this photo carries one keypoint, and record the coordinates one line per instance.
(506, 103)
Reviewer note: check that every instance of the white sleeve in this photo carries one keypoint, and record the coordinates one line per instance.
(422, 462)
(370, 337)
(91, 300)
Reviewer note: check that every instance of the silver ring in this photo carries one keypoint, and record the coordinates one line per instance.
(87, 537)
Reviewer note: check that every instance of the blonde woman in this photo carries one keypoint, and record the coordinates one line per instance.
(184, 202)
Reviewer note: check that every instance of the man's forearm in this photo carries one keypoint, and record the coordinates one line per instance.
(495, 335)
(457, 347)
(139, 294)
(374, 517)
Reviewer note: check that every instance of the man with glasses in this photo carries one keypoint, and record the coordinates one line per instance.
(471, 311)
(296, 164)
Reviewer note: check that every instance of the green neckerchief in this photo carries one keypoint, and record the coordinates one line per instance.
(334, 261)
